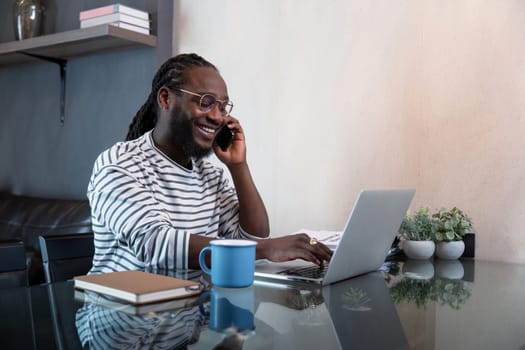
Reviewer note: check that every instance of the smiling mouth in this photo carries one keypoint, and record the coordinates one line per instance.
(208, 131)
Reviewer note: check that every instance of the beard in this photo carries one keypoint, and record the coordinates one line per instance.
(181, 129)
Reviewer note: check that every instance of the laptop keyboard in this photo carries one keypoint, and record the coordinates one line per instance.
(308, 271)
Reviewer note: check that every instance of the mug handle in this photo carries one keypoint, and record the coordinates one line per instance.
(202, 261)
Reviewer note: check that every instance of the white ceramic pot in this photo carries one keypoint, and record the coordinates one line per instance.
(450, 250)
(418, 249)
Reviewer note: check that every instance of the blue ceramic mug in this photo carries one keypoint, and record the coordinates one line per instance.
(232, 262)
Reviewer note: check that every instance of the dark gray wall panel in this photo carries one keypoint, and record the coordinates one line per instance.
(38, 155)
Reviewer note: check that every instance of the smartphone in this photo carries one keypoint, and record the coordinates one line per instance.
(224, 138)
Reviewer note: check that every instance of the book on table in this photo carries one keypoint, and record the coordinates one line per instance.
(115, 8)
(114, 17)
(138, 287)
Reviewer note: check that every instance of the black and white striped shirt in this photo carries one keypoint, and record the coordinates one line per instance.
(144, 207)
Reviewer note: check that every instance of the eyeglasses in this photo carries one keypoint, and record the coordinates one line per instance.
(207, 102)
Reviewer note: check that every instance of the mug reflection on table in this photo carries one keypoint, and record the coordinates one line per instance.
(230, 309)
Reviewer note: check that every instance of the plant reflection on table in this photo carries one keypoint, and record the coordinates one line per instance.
(356, 299)
(451, 292)
(411, 290)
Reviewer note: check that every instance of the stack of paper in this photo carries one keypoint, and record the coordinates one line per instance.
(329, 238)
(116, 15)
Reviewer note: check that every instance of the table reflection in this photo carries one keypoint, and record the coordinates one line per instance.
(483, 309)
(423, 281)
(410, 305)
(361, 309)
(230, 309)
(266, 315)
(105, 326)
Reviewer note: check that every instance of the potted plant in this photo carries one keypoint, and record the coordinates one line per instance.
(416, 234)
(448, 229)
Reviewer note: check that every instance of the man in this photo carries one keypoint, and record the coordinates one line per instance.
(156, 202)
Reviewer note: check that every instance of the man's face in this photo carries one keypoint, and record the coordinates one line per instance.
(194, 130)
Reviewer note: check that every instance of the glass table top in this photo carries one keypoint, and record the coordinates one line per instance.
(410, 304)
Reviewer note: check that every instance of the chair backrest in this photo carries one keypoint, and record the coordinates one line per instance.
(66, 256)
(13, 267)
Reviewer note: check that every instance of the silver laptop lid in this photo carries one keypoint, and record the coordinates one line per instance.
(368, 234)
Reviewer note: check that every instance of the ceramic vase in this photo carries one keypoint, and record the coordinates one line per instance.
(418, 250)
(450, 250)
(27, 16)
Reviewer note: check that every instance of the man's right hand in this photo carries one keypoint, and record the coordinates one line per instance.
(296, 246)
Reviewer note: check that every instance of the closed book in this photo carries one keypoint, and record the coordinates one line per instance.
(114, 17)
(124, 26)
(115, 8)
(138, 287)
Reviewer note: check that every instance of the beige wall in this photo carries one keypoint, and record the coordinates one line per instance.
(336, 96)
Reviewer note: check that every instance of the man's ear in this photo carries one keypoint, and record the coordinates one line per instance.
(164, 98)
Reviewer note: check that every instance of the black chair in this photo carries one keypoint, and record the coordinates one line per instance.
(13, 267)
(66, 256)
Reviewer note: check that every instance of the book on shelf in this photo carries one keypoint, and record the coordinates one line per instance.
(115, 8)
(138, 287)
(114, 17)
(107, 302)
(124, 26)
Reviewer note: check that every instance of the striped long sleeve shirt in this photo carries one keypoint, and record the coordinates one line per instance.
(144, 207)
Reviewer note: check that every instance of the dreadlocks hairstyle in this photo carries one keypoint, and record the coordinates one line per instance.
(170, 75)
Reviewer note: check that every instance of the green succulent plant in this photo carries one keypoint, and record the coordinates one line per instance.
(417, 226)
(450, 225)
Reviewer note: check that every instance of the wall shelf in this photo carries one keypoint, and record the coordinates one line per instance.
(73, 43)
(59, 47)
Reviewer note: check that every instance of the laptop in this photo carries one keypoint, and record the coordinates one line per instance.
(364, 244)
